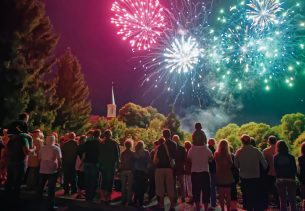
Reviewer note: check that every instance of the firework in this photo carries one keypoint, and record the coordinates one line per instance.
(245, 57)
(263, 13)
(139, 21)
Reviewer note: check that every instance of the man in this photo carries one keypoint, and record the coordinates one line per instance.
(248, 160)
(270, 180)
(69, 155)
(179, 170)
(20, 125)
(50, 163)
(164, 174)
(212, 169)
(109, 154)
(90, 155)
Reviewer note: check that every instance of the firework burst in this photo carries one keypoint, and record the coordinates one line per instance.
(139, 21)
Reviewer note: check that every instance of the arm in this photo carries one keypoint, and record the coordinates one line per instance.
(262, 160)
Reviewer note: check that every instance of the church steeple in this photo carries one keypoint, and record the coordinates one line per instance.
(111, 108)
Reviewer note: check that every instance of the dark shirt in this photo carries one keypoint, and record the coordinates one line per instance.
(164, 160)
(285, 166)
(15, 149)
(127, 160)
(109, 153)
(212, 164)
(18, 127)
(141, 160)
(90, 149)
(69, 153)
(301, 160)
(180, 160)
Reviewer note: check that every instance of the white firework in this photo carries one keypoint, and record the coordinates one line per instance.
(263, 13)
(182, 55)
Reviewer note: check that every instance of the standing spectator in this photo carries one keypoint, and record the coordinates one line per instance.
(235, 174)
(198, 135)
(126, 173)
(248, 160)
(199, 155)
(179, 169)
(151, 172)
(223, 176)
(164, 175)
(270, 179)
(301, 174)
(109, 154)
(286, 170)
(69, 155)
(32, 177)
(50, 163)
(140, 172)
(90, 155)
(20, 125)
(212, 168)
(188, 167)
(79, 167)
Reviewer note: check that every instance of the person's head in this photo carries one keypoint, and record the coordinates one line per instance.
(90, 133)
(211, 142)
(281, 147)
(166, 133)
(198, 126)
(72, 136)
(187, 145)
(245, 139)
(139, 146)
(4, 131)
(223, 147)
(50, 140)
(272, 140)
(303, 148)
(23, 117)
(35, 133)
(176, 139)
(128, 144)
(97, 133)
(108, 134)
(253, 141)
(161, 140)
(82, 139)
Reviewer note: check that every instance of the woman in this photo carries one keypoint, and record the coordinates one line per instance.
(141, 158)
(301, 174)
(199, 156)
(223, 176)
(286, 170)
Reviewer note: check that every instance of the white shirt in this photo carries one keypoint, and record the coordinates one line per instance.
(49, 156)
(200, 156)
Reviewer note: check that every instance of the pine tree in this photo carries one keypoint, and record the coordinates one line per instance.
(72, 88)
(27, 42)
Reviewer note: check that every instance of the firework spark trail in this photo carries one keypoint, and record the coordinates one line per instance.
(139, 21)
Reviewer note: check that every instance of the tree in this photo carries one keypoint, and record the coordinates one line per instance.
(27, 43)
(256, 130)
(292, 126)
(72, 88)
(297, 144)
(134, 115)
(117, 127)
(230, 133)
(172, 122)
(148, 136)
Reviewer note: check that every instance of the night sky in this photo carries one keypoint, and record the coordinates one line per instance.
(84, 25)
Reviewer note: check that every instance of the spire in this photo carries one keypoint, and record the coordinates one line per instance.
(112, 96)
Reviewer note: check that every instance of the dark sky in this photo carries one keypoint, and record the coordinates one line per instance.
(84, 25)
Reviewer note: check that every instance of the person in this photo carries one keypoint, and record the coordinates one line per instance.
(212, 169)
(151, 172)
(69, 154)
(179, 169)
(126, 173)
(188, 180)
(286, 171)
(199, 135)
(79, 167)
(164, 174)
(301, 174)
(199, 156)
(248, 160)
(50, 163)
(32, 177)
(20, 125)
(223, 175)
(270, 178)
(235, 173)
(109, 154)
(141, 162)
(90, 155)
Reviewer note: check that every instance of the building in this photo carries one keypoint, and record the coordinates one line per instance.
(111, 108)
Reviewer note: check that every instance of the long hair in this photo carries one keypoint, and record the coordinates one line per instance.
(223, 149)
(281, 147)
(139, 146)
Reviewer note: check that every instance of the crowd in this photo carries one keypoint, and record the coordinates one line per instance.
(194, 172)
